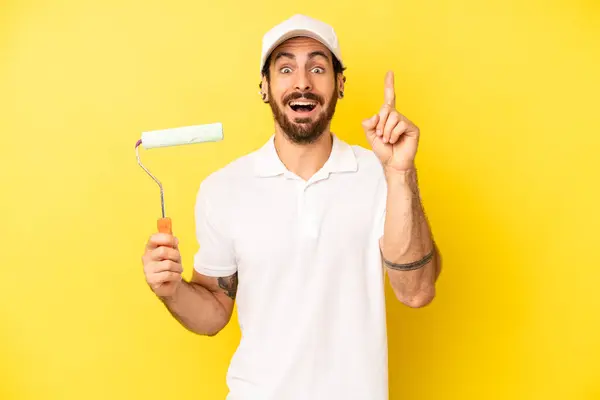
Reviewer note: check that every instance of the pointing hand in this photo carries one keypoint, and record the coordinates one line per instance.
(393, 138)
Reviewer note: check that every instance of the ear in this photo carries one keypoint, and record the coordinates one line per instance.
(341, 81)
(264, 90)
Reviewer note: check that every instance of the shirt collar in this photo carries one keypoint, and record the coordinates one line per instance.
(341, 159)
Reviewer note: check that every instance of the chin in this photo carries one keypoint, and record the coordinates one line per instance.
(303, 122)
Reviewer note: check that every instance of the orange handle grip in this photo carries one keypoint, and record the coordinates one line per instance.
(165, 226)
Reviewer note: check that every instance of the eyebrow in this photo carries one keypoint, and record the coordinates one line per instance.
(313, 54)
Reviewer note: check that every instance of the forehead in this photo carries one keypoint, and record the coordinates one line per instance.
(299, 47)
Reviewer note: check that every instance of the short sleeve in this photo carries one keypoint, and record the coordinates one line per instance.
(380, 208)
(215, 257)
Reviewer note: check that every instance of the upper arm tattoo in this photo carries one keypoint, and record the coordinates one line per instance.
(229, 284)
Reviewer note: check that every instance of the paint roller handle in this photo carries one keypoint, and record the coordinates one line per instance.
(165, 225)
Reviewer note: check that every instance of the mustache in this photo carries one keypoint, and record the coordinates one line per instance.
(306, 96)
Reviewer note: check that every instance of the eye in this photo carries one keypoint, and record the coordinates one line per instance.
(285, 70)
(318, 70)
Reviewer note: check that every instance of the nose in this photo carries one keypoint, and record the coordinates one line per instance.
(303, 82)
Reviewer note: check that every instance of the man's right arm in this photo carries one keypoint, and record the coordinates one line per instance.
(204, 304)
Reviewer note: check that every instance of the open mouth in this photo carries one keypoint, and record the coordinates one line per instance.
(302, 106)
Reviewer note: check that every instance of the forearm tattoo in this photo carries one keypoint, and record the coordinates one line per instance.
(229, 284)
(410, 266)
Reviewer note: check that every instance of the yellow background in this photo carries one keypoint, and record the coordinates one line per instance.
(506, 94)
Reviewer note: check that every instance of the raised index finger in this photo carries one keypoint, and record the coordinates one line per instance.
(389, 91)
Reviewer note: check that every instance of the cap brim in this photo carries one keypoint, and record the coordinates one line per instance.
(292, 34)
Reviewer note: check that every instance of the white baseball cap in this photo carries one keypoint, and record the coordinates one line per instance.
(300, 25)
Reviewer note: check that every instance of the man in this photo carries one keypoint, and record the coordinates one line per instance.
(308, 226)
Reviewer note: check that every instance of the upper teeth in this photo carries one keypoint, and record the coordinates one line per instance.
(301, 103)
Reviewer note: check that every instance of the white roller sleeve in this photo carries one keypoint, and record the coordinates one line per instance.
(183, 135)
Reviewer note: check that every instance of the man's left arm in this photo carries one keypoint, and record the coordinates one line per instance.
(409, 253)
(410, 256)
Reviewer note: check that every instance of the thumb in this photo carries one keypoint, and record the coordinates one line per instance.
(370, 124)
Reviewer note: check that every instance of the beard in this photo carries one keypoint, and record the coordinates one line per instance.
(303, 130)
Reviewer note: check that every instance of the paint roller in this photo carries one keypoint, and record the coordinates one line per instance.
(175, 137)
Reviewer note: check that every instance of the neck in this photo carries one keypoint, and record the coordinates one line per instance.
(304, 160)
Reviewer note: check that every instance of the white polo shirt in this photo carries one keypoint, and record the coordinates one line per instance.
(310, 297)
